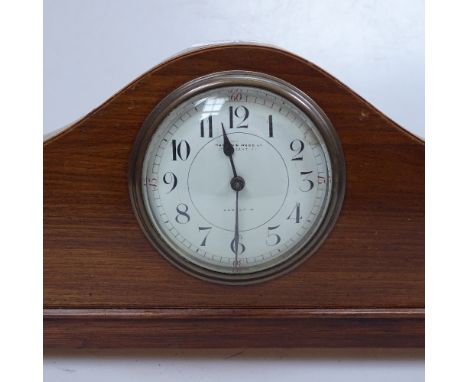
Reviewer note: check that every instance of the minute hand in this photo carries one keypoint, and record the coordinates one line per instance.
(228, 150)
(237, 184)
(236, 228)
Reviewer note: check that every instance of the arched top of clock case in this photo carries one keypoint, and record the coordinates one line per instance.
(197, 62)
(95, 254)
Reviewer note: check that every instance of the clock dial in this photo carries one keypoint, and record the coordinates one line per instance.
(236, 180)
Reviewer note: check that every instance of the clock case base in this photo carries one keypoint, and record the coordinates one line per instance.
(106, 286)
(218, 328)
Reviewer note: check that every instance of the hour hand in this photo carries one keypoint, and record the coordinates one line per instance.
(228, 148)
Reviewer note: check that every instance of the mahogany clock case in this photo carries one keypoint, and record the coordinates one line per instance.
(106, 286)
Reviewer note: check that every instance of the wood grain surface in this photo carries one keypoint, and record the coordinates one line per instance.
(97, 259)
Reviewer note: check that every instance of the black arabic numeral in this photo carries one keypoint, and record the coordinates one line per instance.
(241, 247)
(272, 239)
(295, 214)
(239, 112)
(270, 126)
(182, 216)
(297, 146)
(180, 150)
(170, 178)
(210, 127)
(203, 243)
(310, 184)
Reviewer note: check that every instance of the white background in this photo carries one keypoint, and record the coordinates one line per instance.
(94, 48)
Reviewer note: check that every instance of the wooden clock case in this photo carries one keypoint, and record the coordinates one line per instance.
(106, 286)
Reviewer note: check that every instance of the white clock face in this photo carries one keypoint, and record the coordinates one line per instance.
(236, 180)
